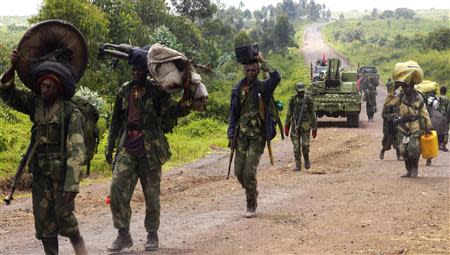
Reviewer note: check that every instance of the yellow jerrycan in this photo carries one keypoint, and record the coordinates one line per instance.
(429, 145)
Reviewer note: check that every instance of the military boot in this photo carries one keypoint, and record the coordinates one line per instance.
(408, 167)
(382, 154)
(428, 162)
(298, 168)
(78, 244)
(122, 241)
(307, 163)
(443, 147)
(415, 168)
(50, 245)
(252, 203)
(152, 241)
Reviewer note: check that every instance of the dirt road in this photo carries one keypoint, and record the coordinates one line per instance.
(350, 202)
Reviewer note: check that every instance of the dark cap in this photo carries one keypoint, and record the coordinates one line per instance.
(300, 87)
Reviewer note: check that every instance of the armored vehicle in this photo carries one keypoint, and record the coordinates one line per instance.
(369, 73)
(335, 93)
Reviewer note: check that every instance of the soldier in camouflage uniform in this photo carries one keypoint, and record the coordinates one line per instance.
(57, 160)
(142, 113)
(301, 125)
(389, 84)
(444, 105)
(413, 114)
(370, 93)
(390, 133)
(252, 127)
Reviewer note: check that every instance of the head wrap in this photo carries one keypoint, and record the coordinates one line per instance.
(408, 72)
(54, 79)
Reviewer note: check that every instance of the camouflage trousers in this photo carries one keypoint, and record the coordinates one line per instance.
(300, 141)
(52, 214)
(391, 137)
(410, 149)
(371, 104)
(248, 153)
(127, 170)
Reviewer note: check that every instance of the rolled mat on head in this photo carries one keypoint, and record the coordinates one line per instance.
(52, 47)
(408, 72)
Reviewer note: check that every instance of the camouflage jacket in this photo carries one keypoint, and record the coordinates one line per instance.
(159, 112)
(417, 108)
(443, 105)
(60, 154)
(308, 119)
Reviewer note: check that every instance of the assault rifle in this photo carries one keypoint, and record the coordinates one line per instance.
(233, 146)
(261, 116)
(20, 169)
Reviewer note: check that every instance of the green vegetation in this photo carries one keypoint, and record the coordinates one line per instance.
(204, 34)
(384, 42)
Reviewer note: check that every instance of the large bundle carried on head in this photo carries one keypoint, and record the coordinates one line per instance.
(430, 88)
(58, 48)
(52, 47)
(175, 72)
(408, 72)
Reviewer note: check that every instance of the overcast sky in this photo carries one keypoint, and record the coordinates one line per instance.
(29, 7)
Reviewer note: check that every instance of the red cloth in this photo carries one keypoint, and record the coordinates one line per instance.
(54, 79)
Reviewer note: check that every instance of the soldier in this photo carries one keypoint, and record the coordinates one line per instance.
(370, 92)
(444, 109)
(302, 117)
(390, 136)
(58, 154)
(389, 84)
(251, 127)
(413, 119)
(142, 113)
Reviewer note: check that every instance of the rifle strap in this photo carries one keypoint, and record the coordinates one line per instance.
(299, 120)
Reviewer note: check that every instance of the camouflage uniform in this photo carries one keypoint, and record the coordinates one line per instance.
(158, 113)
(410, 132)
(56, 167)
(370, 93)
(444, 108)
(253, 131)
(301, 129)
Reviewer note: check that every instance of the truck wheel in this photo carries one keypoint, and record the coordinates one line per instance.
(353, 120)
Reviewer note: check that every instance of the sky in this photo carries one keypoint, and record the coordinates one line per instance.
(30, 7)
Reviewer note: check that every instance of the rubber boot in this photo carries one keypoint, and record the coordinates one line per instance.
(78, 244)
(122, 241)
(307, 163)
(50, 245)
(152, 241)
(408, 167)
(399, 156)
(428, 162)
(415, 168)
(382, 154)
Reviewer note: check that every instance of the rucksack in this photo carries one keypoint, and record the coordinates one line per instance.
(90, 129)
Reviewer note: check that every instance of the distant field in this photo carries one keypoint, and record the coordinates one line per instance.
(386, 42)
(436, 14)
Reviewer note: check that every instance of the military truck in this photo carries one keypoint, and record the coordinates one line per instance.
(335, 93)
(369, 73)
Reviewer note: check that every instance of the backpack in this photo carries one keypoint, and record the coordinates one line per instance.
(90, 129)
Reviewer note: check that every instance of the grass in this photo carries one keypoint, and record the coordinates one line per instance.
(378, 47)
(194, 137)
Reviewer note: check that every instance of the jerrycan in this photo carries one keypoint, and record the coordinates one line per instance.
(429, 145)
